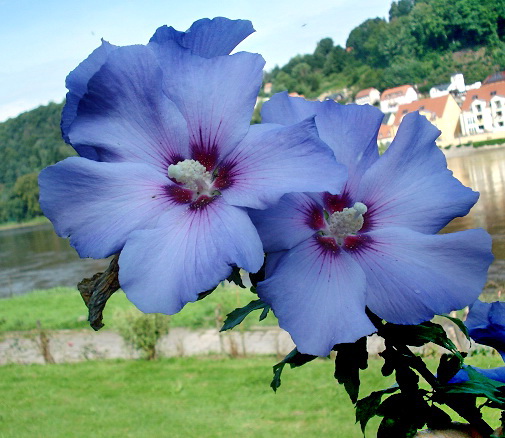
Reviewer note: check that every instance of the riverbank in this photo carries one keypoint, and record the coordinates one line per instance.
(468, 149)
(40, 220)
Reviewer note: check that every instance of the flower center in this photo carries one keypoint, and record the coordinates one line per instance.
(346, 222)
(193, 175)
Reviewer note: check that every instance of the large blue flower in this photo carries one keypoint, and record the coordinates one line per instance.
(169, 162)
(486, 325)
(331, 256)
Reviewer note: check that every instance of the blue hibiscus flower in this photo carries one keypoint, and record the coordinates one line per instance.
(169, 162)
(374, 245)
(486, 325)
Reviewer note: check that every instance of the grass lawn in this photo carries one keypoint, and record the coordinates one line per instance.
(63, 308)
(183, 397)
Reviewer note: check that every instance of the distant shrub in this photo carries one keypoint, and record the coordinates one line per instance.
(142, 331)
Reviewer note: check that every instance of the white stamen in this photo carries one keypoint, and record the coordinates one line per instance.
(192, 174)
(346, 222)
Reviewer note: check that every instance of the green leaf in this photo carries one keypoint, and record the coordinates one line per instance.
(235, 277)
(479, 385)
(461, 325)
(264, 313)
(366, 408)
(235, 317)
(437, 418)
(294, 359)
(349, 360)
(396, 428)
(418, 335)
(448, 366)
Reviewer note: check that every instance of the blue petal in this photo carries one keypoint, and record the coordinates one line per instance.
(216, 97)
(486, 324)
(205, 37)
(497, 374)
(318, 297)
(410, 186)
(77, 85)
(296, 217)
(97, 205)
(350, 130)
(412, 276)
(189, 252)
(273, 160)
(125, 116)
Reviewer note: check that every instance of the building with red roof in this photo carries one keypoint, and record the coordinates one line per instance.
(368, 96)
(442, 111)
(483, 109)
(392, 98)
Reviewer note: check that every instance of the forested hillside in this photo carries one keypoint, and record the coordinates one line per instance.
(28, 143)
(422, 43)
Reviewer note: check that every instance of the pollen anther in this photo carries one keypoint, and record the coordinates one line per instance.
(346, 222)
(192, 174)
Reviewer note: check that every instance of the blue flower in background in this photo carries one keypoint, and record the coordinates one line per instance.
(374, 245)
(486, 325)
(169, 162)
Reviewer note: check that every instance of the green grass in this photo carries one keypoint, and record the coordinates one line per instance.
(183, 397)
(63, 308)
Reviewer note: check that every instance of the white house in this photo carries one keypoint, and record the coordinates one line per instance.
(368, 96)
(392, 98)
(483, 109)
(456, 86)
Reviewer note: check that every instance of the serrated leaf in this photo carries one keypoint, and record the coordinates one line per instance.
(437, 418)
(349, 360)
(396, 428)
(479, 385)
(294, 359)
(448, 366)
(418, 335)
(235, 317)
(366, 408)
(235, 277)
(461, 325)
(264, 313)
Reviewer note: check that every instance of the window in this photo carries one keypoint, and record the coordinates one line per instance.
(479, 118)
(497, 104)
(481, 127)
(498, 113)
(493, 93)
(474, 97)
(478, 108)
(500, 124)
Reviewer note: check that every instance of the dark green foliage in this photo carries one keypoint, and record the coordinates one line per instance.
(349, 360)
(411, 407)
(294, 359)
(235, 317)
(424, 42)
(28, 143)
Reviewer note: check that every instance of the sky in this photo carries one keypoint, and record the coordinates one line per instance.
(41, 41)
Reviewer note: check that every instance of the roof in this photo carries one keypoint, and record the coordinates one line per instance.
(365, 92)
(434, 105)
(486, 92)
(495, 77)
(442, 87)
(391, 93)
(385, 131)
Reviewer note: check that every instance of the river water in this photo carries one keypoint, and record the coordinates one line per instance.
(35, 258)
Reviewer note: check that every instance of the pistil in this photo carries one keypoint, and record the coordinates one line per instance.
(346, 222)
